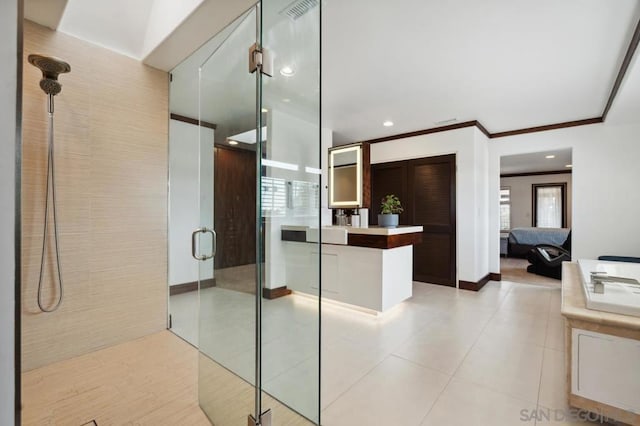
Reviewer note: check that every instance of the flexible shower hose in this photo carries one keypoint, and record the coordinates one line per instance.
(50, 183)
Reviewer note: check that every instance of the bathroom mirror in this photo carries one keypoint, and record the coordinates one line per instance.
(348, 176)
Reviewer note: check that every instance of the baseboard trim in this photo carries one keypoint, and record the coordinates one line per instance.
(274, 293)
(192, 286)
(474, 286)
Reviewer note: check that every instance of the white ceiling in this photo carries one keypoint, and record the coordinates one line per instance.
(147, 29)
(211, 17)
(535, 162)
(509, 64)
(119, 25)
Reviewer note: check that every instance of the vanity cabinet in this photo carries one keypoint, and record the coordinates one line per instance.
(606, 368)
(602, 355)
(372, 271)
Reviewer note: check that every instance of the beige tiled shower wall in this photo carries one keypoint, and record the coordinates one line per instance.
(111, 137)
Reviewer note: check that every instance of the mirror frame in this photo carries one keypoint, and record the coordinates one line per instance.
(358, 202)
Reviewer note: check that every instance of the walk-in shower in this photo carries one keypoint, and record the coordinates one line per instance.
(51, 67)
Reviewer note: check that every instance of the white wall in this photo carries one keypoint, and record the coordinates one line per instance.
(185, 202)
(293, 141)
(521, 190)
(326, 142)
(481, 229)
(606, 200)
(470, 147)
(8, 84)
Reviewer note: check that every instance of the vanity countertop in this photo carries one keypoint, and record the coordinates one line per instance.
(574, 304)
(379, 230)
(371, 230)
(372, 237)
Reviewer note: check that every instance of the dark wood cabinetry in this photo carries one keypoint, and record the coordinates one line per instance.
(427, 189)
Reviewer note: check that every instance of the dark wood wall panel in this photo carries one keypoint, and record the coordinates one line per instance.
(235, 207)
(388, 178)
(366, 175)
(427, 189)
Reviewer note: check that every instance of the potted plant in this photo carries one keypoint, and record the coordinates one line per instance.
(390, 208)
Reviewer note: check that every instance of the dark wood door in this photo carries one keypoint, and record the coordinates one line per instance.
(235, 206)
(432, 204)
(427, 189)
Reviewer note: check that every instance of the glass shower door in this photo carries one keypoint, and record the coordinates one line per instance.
(259, 323)
(228, 332)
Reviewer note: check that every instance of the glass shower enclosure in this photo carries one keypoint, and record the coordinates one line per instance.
(259, 342)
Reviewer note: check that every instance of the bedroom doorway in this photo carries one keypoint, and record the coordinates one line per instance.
(535, 211)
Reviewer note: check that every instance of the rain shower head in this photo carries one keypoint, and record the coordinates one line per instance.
(51, 67)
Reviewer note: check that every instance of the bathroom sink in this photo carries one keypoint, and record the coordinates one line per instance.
(330, 235)
(618, 297)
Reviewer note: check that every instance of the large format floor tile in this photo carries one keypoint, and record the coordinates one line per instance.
(396, 392)
(442, 345)
(464, 403)
(530, 299)
(504, 366)
(552, 383)
(495, 352)
(515, 326)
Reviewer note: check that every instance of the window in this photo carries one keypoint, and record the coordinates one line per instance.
(549, 205)
(505, 208)
(274, 197)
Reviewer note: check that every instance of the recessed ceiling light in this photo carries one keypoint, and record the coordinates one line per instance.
(265, 110)
(568, 166)
(550, 156)
(388, 123)
(232, 142)
(287, 71)
(286, 100)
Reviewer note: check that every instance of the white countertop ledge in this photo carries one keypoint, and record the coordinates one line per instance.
(379, 230)
(372, 230)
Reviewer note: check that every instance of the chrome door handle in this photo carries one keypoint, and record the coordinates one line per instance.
(214, 241)
(214, 237)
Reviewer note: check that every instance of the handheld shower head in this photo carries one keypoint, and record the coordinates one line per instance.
(51, 67)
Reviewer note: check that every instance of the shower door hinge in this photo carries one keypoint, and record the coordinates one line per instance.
(264, 420)
(260, 57)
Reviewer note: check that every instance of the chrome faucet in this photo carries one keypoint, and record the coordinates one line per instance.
(598, 279)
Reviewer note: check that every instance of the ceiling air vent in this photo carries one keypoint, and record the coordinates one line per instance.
(298, 8)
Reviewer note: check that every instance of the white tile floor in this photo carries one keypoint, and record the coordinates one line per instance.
(444, 357)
